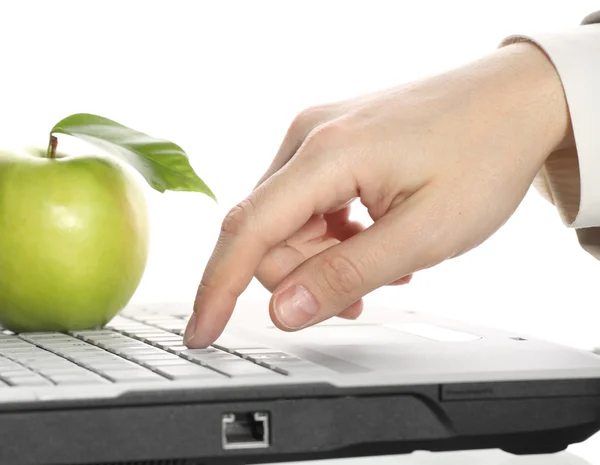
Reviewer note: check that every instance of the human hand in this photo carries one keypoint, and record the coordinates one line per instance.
(440, 165)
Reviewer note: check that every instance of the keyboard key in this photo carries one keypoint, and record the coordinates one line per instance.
(118, 342)
(155, 357)
(187, 372)
(40, 353)
(66, 345)
(60, 343)
(209, 350)
(10, 363)
(101, 344)
(21, 351)
(103, 367)
(88, 348)
(116, 347)
(146, 329)
(44, 362)
(133, 329)
(5, 344)
(119, 319)
(166, 344)
(39, 336)
(5, 363)
(177, 349)
(75, 370)
(213, 356)
(27, 361)
(70, 342)
(107, 344)
(232, 343)
(256, 351)
(25, 352)
(106, 336)
(27, 380)
(13, 369)
(240, 368)
(131, 343)
(107, 340)
(149, 330)
(14, 345)
(135, 375)
(272, 356)
(85, 378)
(92, 333)
(91, 357)
(164, 337)
(135, 351)
(80, 352)
(142, 335)
(126, 324)
(97, 359)
(175, 327)
(165, 363)
(16, 371)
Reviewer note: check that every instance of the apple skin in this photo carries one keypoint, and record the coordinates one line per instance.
(73, 240)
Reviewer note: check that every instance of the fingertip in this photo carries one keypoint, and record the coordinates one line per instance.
(201, 337)
(212, 311)
(275, 319)
(190, 330)
(293, 308)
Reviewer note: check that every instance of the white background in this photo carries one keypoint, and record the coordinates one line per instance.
(225, 78)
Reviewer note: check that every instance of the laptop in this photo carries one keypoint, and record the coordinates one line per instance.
(393, 382)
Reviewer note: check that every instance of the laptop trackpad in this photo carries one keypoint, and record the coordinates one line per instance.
(354, 348)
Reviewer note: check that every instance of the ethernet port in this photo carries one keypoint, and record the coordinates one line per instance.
(245, 430)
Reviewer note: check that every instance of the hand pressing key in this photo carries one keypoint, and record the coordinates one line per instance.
(440, 165)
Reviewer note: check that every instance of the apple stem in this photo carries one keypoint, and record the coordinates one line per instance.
(52, 147)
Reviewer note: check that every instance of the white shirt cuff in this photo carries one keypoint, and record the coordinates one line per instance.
(575, 54)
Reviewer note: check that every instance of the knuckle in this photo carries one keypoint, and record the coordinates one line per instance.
(306, 121)
(340, 276)
(238, 218)
(328, 137)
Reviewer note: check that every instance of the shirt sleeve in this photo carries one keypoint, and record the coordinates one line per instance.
(570, 178)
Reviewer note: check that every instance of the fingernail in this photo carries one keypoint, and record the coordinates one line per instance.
(190, 330)
(295, 307)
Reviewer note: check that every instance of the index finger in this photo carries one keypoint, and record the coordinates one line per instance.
(272, 213)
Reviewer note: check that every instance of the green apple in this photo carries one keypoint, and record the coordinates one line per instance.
(73, 240)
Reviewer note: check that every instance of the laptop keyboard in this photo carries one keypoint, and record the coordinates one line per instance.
(148, 348)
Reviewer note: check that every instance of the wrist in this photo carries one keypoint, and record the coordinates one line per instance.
(513, 95)
(528, 90)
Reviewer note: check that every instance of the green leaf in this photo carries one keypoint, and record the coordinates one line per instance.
(163, 164)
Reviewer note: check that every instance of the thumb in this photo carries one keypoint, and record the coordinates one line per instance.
(395, 246)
